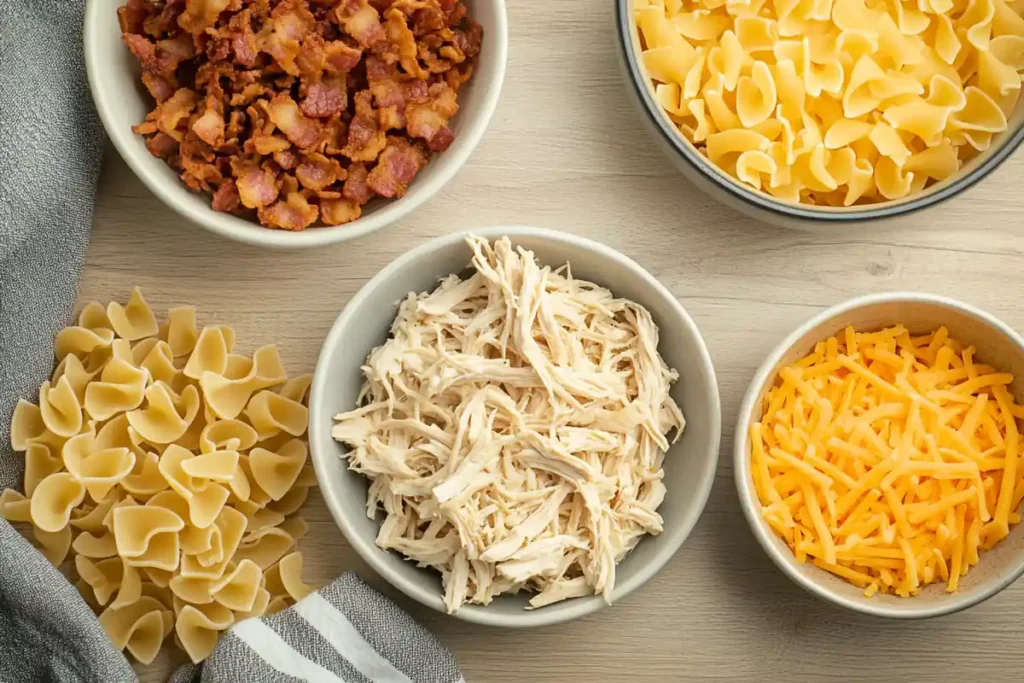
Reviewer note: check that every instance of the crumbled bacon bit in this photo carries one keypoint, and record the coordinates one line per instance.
(317, 172)
(365, 138)
(398, 165)
(226, 197)
(326, 98)
(200, 15)
(256, 187)
(158, 86)
(338, 211)
(303, 132)
(355, 187)
(299, 110)
(210, 127)
(430, 120)
(294, 213)
(162, 145)
(361, 21)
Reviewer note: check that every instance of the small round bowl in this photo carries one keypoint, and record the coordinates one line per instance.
(365, 324)
(997, 345)
(122, 102)
(728, 190)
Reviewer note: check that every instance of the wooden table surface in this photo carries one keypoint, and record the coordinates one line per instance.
(566, 150)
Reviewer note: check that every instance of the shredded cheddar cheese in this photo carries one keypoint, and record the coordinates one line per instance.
(890, 460)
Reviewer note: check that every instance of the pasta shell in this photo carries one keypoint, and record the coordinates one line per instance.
(166, 416)
(135, 527)
(216, 466)
(59, 408)
(133, 321)
(94, 316)
(148, 481)
(297, 388)
(141, 349)
(80, 341)
(159, 577)
(198, 628)
(96, 547)
(264, 518)
(197, 541)
(206, 503)
(210, 354)
(259, 605)
(265, 547)
(161, 593)
(291, 501)
(276, 472)
(129, 590)
(40, 462)
(14, 507)
(121, 388)
(290, 568)
(182, 334)
(170, 467)
(271, 414)
(231, 524)
(230, 435)
(296, 527)
(276, 605)
(93, 521)
(53, 500)
(103, 577)
(239, 590)
(54, 545)
(192, 590)
(102, 470)
(214, 555)
(27, 424)
(163, 552)
(138, 627)
(78, 377)
(238, 367)
(160, 365)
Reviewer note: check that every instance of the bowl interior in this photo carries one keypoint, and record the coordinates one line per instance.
(123, 101)
(996, 345)
(689, 465)
(1002, 146)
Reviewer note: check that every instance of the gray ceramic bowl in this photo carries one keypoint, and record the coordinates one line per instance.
(122, 102)
(996, 344)
(364, 324)
(763, 206)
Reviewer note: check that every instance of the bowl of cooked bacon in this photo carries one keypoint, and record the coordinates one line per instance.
(295, 123)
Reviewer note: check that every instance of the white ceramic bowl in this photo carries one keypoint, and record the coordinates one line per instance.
(996, 344)
(728, 190)
(365, 323)
(122, 102)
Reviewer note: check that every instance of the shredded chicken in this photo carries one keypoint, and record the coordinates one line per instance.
(513, 428)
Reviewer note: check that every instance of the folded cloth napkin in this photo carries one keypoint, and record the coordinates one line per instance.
(50, 148)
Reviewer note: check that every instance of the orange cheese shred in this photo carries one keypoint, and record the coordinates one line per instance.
(890, 460)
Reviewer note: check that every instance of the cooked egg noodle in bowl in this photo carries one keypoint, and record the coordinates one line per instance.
(513, 427)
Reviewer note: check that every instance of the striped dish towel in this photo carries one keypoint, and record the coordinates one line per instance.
(344, 633)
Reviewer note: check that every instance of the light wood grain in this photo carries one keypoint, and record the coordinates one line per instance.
(566, 150)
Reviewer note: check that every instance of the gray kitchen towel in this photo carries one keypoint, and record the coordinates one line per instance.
(50, 148)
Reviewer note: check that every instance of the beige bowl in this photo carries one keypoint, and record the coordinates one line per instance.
(996, 345)
(122, 102)
(365, 323)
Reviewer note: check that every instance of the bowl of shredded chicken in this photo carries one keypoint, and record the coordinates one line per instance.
(515, 427)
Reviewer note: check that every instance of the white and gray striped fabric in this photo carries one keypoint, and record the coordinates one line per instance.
(344, 633)
(50, 147)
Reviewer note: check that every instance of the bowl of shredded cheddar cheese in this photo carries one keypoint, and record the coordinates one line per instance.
(877, 455)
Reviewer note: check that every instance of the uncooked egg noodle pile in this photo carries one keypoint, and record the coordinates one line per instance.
(514, 427)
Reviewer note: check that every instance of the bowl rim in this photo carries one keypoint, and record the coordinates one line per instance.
(380, 560)
(249, 232)
(783, 558)
(760, 201)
